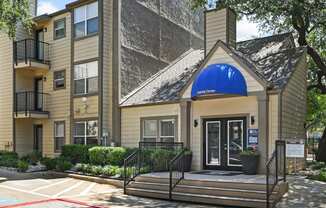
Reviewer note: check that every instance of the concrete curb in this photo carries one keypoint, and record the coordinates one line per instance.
(116, 183)
(3, 179)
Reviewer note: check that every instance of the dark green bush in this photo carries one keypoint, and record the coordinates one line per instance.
(161, 159)
(22, 166)
(99, 155)
(117, 156)
(50, 163)
(8, 159)
(62, 164)
(32, 158)
(76, 153)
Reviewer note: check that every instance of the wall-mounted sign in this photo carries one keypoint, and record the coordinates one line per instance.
(252, 139)
(295, 150)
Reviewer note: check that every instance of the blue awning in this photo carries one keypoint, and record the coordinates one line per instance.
(219, 79)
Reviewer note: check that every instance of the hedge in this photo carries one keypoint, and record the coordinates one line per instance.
(76, 153)
(108, 155)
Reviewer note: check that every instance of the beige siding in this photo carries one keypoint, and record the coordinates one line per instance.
(273, 120)
(218, 29)
(245, 106)
(107, 102)
(86, 48)
(24, 136)
(294, 104)
(6, 93)
(130, 120)
(86, 109)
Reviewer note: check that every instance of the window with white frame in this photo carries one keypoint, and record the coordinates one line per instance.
(59, 135)
(86, 132)
(159, 130)
(59, 28)
(86, 20)
(85, 78)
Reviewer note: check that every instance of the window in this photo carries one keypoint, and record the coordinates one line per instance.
(85, 78)
(59, 80)
(150, 131)
(59, 135)
(167, 130)
(159, 130)
(59, 29)
(86, 132)
(86, 20)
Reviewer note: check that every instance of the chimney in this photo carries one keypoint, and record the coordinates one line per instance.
(220, 24)
(33, 7)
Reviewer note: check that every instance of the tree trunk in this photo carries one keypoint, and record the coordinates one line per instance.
(321, 153)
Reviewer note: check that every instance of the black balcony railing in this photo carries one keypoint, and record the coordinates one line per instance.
(275, 170)
(31, 50)
(30, 102)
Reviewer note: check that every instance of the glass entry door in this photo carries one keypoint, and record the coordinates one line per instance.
(224, 139)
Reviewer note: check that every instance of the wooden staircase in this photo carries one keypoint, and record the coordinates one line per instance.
(225, 193)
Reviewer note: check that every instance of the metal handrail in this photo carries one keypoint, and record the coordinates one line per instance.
(132, 161)
(278, 159)
(30, 101)
(30, 49)
(176, 165)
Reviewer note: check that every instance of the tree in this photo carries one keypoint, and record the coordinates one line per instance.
(307, 18)
(12, 13)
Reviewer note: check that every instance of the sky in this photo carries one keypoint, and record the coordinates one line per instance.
(245, 29)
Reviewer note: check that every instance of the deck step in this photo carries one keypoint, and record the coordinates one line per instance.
(208, 183)
(199, 198)
(255, 194)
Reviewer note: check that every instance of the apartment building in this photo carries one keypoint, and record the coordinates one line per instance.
(62, 83)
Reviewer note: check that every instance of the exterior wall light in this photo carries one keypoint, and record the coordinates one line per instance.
(252, 120)
(195, 123)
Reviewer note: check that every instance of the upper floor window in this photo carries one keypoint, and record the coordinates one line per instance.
(85, 78)
(86, 20)
(59, 80)
(59, 29)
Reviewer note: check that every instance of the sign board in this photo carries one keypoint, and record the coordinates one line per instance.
(252, 139)
(295, 150)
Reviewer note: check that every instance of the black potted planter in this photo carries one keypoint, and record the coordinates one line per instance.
(187, 161)
(250, 160)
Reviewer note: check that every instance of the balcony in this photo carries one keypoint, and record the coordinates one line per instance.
(31, 104)
(31, 54)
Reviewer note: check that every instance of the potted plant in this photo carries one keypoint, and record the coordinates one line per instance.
(249, 158)
(187, 160)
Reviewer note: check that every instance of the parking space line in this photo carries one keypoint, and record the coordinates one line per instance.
(88, 189)
(24, 191)
(53, 184)
(68, 189)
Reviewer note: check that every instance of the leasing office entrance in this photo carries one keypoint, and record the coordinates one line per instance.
(223, 140)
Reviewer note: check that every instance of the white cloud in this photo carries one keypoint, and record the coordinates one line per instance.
(46, 7)
(248, 30)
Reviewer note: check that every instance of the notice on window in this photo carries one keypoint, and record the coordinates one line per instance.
(295, 150)
(252, 137)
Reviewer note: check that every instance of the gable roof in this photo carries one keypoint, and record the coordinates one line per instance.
(271, 60)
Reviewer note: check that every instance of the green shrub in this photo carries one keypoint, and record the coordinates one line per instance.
(318, 165)
(96, 170)
(76, 153)
(99, 155)
(63, 165)
(8, 159)
(22, 166)
(50, 163)
(32, 158)
(108, 155)
(117, 156)
(161, 159)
